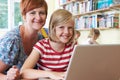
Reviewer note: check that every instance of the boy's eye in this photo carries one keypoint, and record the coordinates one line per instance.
(71, 28)
(61, 27)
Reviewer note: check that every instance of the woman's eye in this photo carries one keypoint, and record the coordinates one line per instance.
(42, 13)
(39, 13)
(32, 13)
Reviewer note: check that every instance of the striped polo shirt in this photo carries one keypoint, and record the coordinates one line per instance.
(50, 59)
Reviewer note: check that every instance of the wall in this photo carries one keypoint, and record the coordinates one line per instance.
(107, 36)
(52, 6)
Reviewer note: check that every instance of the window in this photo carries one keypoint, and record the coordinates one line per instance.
(10, 16)
(3, 14)
(17, 15)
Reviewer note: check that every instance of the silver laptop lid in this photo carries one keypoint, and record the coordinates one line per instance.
(94, 62)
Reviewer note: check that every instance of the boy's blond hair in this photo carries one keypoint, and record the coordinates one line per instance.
(60, 16)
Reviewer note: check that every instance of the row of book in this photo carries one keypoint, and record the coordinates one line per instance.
(63, 1)
(73, 7)
(98, 21)
(78, 7)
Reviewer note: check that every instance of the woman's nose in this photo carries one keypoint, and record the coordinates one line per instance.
(38, 16)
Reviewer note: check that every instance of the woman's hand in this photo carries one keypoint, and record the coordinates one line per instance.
(13, 73)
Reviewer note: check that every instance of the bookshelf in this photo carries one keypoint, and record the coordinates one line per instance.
(101, 14)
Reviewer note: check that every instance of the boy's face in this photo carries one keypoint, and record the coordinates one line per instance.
(64, 32)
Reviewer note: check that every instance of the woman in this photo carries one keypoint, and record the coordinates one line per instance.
(17, 44)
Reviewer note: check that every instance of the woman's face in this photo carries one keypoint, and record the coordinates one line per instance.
(64, 32)
(36, 18)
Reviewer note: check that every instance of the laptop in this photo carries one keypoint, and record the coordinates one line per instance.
(94, 62)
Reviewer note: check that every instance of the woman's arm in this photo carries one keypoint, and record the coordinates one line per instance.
(12, 73)
(3, 67)
(9, 49)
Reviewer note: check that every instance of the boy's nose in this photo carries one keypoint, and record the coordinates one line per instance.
(66, 30)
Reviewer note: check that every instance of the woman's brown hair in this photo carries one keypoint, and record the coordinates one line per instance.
(27, 5)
